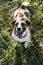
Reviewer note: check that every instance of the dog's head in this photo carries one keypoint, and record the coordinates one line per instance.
(21, 21)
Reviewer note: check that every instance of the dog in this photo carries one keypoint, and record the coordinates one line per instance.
(21, 31)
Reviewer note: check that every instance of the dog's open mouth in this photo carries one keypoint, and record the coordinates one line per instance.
(19, 34)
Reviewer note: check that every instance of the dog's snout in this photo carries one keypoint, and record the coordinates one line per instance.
(19, 29)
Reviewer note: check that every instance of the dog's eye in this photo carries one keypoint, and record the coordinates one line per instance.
(22, 24)
(16, 24)
(27, 22)
(13, 22)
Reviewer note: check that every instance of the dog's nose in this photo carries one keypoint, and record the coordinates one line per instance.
(19, 29)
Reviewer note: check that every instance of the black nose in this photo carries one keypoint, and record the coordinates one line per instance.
(19, 29)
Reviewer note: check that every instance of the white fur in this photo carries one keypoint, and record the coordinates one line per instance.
(19, 26)
(26, 44)
(19, 11)
(26, 39)
(22, 11)
(25, 3)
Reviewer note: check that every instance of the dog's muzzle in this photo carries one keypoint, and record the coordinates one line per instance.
(19, 32)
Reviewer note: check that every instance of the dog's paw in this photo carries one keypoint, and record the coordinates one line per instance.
(26, 44)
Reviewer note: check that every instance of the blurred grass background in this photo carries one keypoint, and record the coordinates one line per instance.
(9, 55)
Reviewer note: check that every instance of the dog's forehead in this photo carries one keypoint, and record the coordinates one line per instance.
(21, 21)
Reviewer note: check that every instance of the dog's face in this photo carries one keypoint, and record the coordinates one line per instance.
(20, 27)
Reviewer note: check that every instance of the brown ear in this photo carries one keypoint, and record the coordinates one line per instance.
(13, 22)
(27, 22)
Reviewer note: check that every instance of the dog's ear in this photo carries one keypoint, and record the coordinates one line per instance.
(27, 22)
(13, 22)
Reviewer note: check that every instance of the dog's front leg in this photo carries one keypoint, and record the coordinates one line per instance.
(25, 44)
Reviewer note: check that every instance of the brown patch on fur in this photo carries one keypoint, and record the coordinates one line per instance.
(19, 15)
(23, 19)
(26, 14)
(22, 6)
